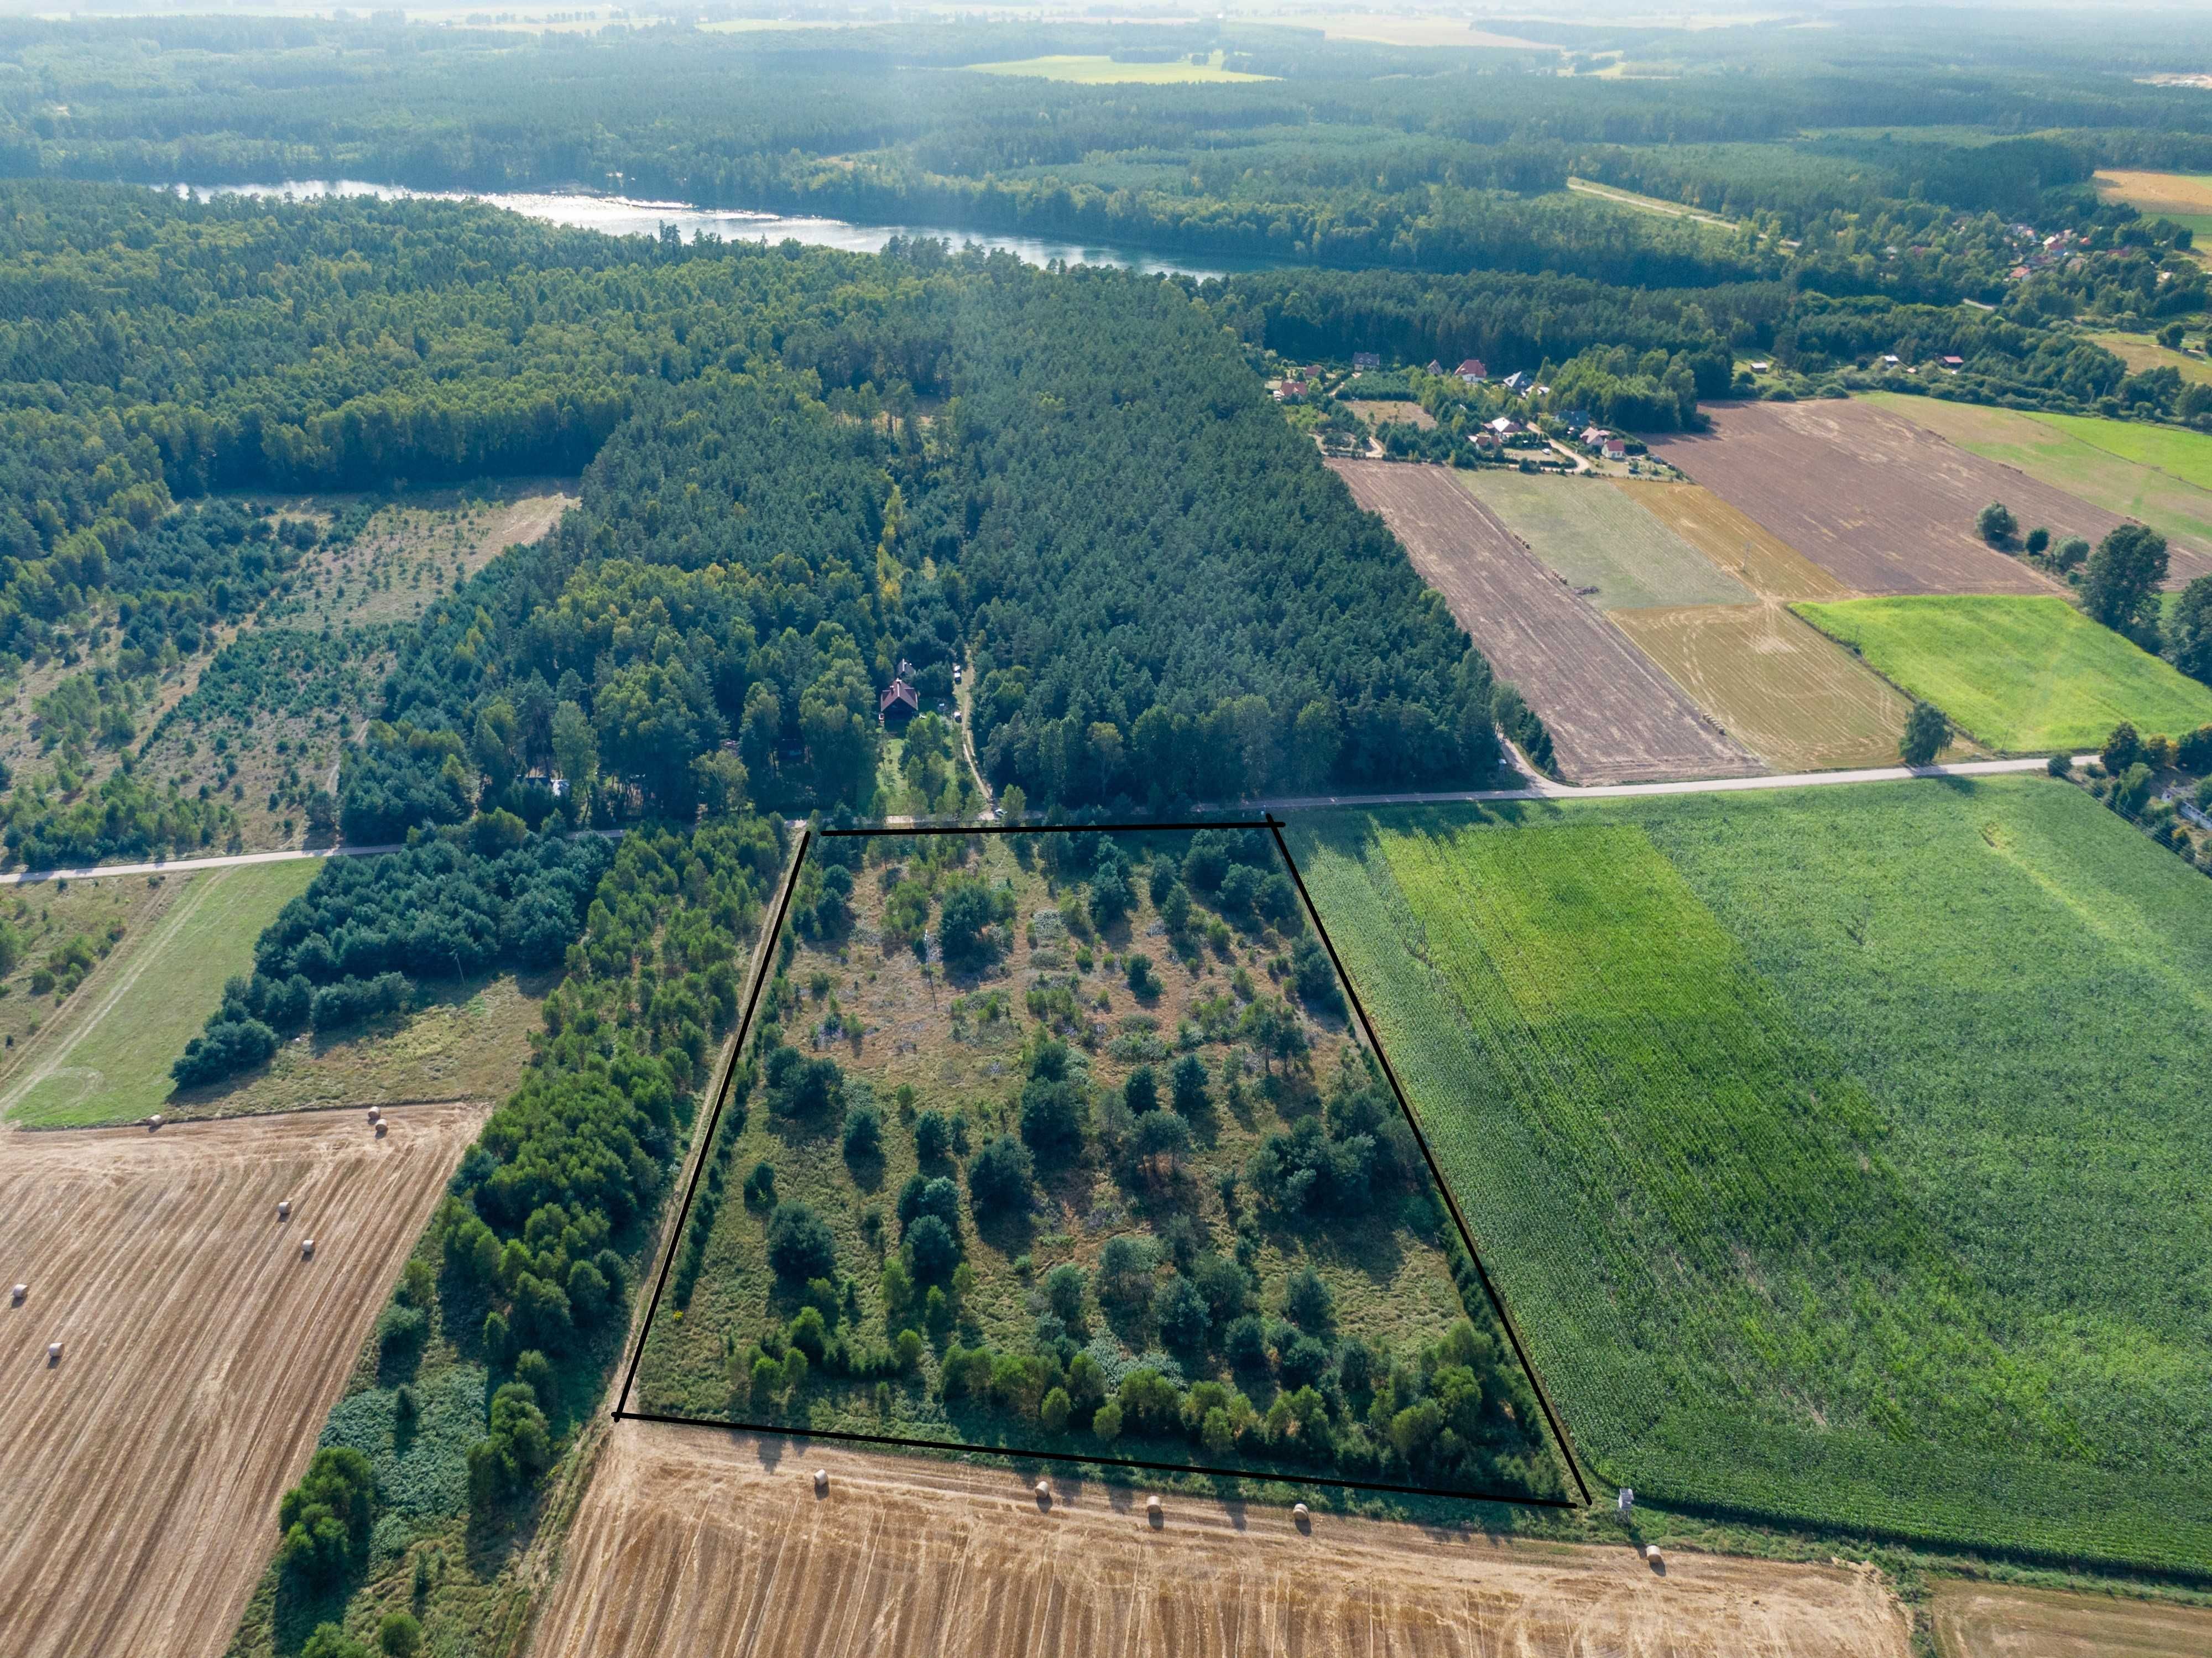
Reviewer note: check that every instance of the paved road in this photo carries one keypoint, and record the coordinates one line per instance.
(1539, 788)
(1543, 788)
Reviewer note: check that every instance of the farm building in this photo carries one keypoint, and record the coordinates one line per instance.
(900, 701)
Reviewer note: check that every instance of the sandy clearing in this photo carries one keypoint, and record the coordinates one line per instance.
(2002, 1620)
(1614, 718)
(1881, 504)
(699, 1541)
(139, 1479)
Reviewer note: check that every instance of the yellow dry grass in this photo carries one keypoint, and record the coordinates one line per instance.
(2002, 1620)
(200, 1356)
(1797, 700)
(698, 1541)
(1746, 550)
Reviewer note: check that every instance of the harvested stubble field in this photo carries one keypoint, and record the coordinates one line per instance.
(2155, 474)
(106, 1057)
(138, 1506)
(697, 1540)
(1883, 505)
(1793, 697)
(1613, 717)
(2022, 675)
(1601, 542)
(2006, 1621)
(1746, 550)
(1791, 1128)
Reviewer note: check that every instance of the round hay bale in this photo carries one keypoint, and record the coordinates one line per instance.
(1300, 1510)
(154, 1123)
(380, 1126)
(306, 1248)
(53, 1352)
(821, 1481)
(1043, 1492)
(1651, 1553)
(375, 1113)
(284, 1209)
(15, 1295)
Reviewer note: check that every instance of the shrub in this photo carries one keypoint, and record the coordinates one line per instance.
(1307, 1302)
(519, 1447)
(2193, 753)
(932, 1136)
(799, 1245)
(329, 1640)
(933, 1250)
(1143, 983)
(1996, 524)
(1926, 732)
(924, 1194)
(864, 1133)
(1188, 1085)
(760, 1185)
(1064, 1288)
(1315, 977)
(2122, 749)
(1183, 1316)
(399, 1635)
(798, 1086)
(1142, 1092)
(2062, 765)
(2039, 539)
(325, 1519)
(1245, 1344)
(224, 1049)
(1053, 1113)
(999, 1177)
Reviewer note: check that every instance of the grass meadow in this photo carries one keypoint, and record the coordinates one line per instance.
(2022, 675)
(106, 1059)
(1841, 1151)
(1598, 537)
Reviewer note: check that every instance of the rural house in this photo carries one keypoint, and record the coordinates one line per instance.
(900, 701)
(1472, 371)
(1366, 360)
(1615, 449)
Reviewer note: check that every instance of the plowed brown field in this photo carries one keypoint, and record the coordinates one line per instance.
(139, 1477)
(1613, 717)
(1884, 505)
(699, 1541)
(2000, 1620)
(1746, 550)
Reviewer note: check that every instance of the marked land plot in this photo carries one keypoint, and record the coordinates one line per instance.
(1613, 717)
(1884, 505)
(1742, 546)
(2154, 474)
(200, 1355)
(2004, 1620)
(692, 1540)
(1605, 546)
(1793, 697)
(1097, 1294)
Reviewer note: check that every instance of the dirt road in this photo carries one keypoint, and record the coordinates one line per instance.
(704, 1542)
(139, 1476)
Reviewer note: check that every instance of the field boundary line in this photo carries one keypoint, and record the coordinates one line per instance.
(715, 1121)
(622, 1412)
(1459, 1219)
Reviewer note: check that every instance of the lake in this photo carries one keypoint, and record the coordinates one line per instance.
(618, 215)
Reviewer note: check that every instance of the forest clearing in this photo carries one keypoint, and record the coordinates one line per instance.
(1613, 717)
(2024, 675)
(200, 1353)
(697, 1540)
(1881, 504)
(104, 1056)
(1747, 1054)
(1777, 686)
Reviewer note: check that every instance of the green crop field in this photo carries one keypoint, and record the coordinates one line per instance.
(2022, 675)
(2162, 476)
(1841, 1152)
(107, 1059)
(1596, 536)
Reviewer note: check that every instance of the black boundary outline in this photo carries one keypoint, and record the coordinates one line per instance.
(785, 1431)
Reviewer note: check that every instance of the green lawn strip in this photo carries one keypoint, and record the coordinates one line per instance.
(2182, 454)
(2022, 675)
(1802, 1150)
(113, 1064)
(1596, 536)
